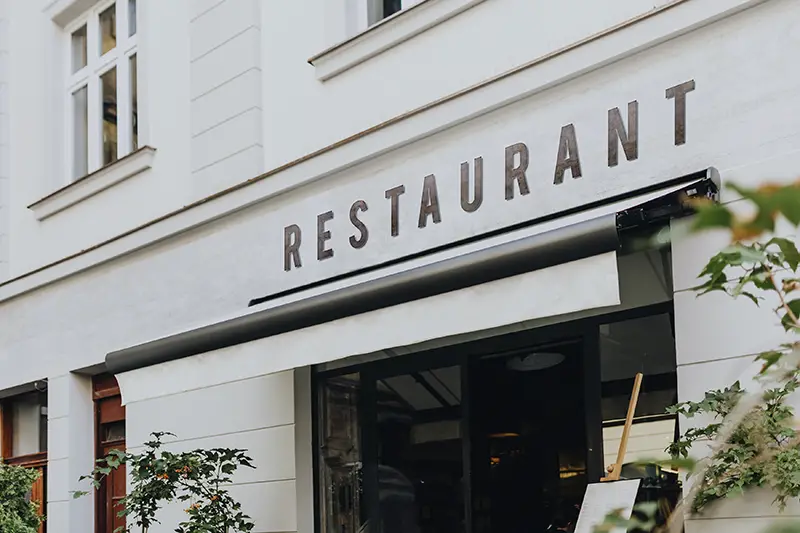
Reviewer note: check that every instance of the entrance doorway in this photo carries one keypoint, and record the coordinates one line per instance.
(529, 437)
(500, 435)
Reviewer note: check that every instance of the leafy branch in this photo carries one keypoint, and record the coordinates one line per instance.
(199, 478)
(17, 513)
(751, 436)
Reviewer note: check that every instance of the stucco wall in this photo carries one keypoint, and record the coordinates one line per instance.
(195, 54)
(256, 414)
(736, 122)
(5, 144)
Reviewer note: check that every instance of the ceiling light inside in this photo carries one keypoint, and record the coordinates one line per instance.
(534, 361)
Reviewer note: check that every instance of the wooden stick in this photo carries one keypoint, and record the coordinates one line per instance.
(623, 443)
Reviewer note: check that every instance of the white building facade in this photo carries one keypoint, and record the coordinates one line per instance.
(369, 238)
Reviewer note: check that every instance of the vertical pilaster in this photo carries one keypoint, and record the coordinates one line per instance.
(70, 428)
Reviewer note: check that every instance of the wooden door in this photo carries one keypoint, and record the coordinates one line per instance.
(113, 490)
(38, 494)
(110, 431)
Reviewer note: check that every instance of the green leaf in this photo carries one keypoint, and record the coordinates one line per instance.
(738, 254)
(789, 250)
(787, 201)
(770, 359)
(786, 320)
(712, 215)
(751, 296)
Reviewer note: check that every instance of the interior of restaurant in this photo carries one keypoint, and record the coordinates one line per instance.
(502, 434)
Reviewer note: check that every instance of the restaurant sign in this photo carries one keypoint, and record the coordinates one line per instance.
(441, 195)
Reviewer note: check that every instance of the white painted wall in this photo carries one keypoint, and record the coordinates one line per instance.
(206, 138)
(257, 414)
(226, 92)
(70, 453)
(5, 143)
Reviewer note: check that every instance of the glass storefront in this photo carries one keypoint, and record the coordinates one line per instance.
(497, 435)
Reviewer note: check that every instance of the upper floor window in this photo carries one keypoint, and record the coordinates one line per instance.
(102, 95)
(380, 9)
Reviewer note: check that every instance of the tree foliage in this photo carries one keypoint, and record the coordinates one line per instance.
(17, 513)
(199, 479)
(752, 438)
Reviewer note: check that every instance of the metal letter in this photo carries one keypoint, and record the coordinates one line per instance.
(429, 203)
(516, 173)
(629, 138)
(323, 235)
(678, 93)
(568, 157)
(292, 237)
(394, 195)
(466, 205)
(358, 205)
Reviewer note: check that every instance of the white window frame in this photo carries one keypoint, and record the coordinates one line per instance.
(90, 76)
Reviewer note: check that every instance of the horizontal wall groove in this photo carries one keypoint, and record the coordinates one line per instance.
(226, 82)
(263, 482)
(718, 359)
(220, 160)
(213, 436)
(242, 380)
(226, 41)
(226, 120)
(222, 84)
(211, 8)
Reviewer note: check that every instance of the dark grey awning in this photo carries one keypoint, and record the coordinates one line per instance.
(563, 245)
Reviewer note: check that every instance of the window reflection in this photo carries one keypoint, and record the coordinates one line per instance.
(131, 18)
(390, 7)
(420, 460)
(134, 104)
(341, 472)
(109, 91)
(80, 133)
(108, 29)
(646, 345)
(79, 49)
(29, 424)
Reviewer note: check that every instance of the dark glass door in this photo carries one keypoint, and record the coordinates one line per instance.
(418, 447)
(530, 450)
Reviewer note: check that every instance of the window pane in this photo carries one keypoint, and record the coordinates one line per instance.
(114, 431)
(131, 17)
(28, 424)
(79, 49)
(109, 92)
(340, 461)
(390, 7)
(645, 345)
(419, 446)
(108, 29)
(134, 105)
(80, 133)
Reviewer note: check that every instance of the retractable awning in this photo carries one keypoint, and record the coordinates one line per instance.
(559, 267)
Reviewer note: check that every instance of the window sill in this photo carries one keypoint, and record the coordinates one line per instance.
(386, 34)
(93, 183)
